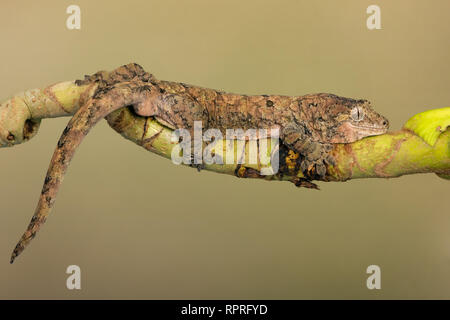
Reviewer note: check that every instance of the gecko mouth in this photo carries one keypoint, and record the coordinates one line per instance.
(369, 129)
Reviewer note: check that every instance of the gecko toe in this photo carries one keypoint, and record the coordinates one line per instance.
(302, 182)
(199, 167)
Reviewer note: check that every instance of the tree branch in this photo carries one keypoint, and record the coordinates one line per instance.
(390, 155)
(385, 156)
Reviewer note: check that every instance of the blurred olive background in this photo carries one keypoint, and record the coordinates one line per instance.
(142, 228)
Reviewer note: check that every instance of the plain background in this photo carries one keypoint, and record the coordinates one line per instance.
(141, 227)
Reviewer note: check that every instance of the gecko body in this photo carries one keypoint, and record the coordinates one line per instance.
(308, 124)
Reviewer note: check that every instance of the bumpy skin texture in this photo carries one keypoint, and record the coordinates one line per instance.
(308, 124)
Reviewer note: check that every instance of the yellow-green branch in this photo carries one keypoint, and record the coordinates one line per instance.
(385, 156)
(390, 155)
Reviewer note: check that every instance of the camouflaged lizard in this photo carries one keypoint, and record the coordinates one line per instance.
(308, 124)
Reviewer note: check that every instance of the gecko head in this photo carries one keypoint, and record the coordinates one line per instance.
(354, 120)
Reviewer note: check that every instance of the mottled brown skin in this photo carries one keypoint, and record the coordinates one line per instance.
(308, 124)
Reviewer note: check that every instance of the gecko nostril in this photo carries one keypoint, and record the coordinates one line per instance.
(385, 123)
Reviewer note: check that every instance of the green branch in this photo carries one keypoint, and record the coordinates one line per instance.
(423, 146)
(385, 156)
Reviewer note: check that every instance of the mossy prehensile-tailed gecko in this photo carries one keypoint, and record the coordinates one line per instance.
(308, 124)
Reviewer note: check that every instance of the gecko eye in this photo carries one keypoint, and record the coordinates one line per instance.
(357, 114)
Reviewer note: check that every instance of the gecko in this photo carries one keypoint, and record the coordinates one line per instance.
(308, 124)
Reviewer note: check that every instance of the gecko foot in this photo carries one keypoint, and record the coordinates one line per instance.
(314, 169)
(302, 182)
(199, 167)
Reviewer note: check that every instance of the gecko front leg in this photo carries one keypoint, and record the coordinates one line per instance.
(315, 154)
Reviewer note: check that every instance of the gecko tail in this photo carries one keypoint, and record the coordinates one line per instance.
(67, 144)
(63, 154)
(78, 127)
